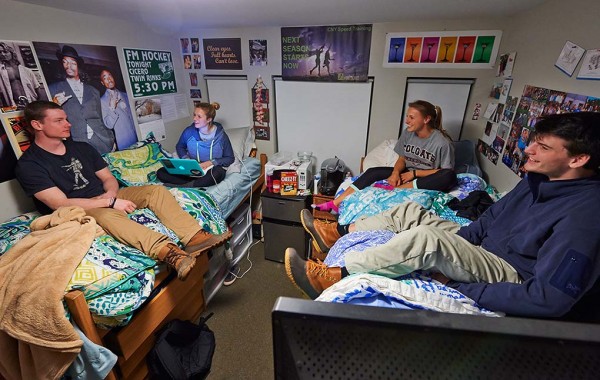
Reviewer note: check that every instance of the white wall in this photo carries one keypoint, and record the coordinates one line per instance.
(25, 22)
(537, 36)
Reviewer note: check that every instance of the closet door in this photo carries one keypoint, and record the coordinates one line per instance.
(452, 95)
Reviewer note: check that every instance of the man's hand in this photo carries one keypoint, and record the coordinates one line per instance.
(125, 206)
(114, 99)
(60, 98)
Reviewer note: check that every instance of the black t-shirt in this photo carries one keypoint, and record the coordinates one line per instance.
(74, 172)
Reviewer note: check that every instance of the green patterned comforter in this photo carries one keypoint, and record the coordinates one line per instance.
(116, 279)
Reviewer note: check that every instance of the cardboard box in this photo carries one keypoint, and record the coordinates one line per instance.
(289, 183)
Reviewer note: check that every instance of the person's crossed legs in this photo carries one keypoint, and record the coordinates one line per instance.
(423, 241)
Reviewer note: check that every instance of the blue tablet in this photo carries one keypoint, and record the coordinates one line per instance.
(183, 166)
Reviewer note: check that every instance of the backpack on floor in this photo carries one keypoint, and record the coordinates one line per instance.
(183, 350)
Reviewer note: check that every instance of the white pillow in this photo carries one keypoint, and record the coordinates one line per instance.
(242, 142)
(382, 155)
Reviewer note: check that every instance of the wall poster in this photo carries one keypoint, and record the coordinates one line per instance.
(86, 80)
(460, 49)
(150, 72)
(326, 53)
(21, 82)
(260, 110)
(222, 53)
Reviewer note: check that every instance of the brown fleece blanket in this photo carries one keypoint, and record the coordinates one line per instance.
(37, 341)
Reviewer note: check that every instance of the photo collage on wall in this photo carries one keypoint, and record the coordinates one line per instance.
(536, 102)
(192, 62)
(499, 112)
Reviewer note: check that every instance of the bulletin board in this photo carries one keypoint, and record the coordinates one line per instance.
(327, 118)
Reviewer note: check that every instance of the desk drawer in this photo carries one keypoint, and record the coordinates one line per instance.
(283, 209)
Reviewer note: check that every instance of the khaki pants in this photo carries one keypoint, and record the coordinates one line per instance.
(162, 203)
(425, 241)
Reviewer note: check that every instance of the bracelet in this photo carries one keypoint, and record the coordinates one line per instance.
(112, 202)
(414, 174)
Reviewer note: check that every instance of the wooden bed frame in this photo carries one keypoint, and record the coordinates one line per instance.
(176, 300)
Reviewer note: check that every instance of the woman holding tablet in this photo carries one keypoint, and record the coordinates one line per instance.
(206, 142)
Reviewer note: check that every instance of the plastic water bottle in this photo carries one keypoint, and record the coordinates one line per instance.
(316, 182)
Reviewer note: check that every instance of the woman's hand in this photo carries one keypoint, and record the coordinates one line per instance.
(394, 179)
(407, 176)
(206, 164)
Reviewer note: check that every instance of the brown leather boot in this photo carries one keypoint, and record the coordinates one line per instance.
(181, 261)
(203, 241)
(315, 252)
(324, 233)
(311, 277)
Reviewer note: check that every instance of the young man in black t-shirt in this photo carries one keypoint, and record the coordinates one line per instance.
(57, 171)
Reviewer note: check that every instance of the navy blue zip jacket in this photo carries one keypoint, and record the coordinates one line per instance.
(549, 231)
(217, 150)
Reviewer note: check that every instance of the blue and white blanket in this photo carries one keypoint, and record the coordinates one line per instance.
(412, 291)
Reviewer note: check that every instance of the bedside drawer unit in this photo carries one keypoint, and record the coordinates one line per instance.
(325, 215)
(239, 222)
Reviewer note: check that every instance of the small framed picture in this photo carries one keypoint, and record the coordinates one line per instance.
(262, 133)
(590, 67)
(569, 58)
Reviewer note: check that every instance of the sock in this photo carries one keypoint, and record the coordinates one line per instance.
(345, 272)
(327, 206)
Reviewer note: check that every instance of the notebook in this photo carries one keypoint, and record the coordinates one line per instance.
(183, 166)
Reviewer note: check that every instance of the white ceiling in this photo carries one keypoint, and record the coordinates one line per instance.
(172, 16)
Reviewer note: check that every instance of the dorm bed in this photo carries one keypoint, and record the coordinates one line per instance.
(118, 296)
(419, 328)
(416, 290)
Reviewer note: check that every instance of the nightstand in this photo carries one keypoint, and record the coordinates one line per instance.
(282, 226)
(324, 215)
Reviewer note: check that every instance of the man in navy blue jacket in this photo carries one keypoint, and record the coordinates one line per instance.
(536, 252)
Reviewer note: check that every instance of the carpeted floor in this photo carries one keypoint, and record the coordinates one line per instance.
(242, 319)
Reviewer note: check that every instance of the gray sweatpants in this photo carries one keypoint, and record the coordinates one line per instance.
(425, 241)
